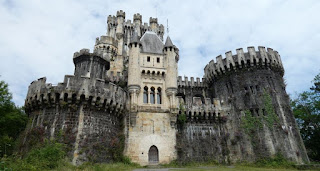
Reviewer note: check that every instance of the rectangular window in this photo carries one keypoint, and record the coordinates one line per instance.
(158, 60)
(148, 58)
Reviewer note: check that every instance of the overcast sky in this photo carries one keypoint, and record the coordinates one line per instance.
(38, 38)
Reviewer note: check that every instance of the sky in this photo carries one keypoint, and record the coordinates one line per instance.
(38, 38)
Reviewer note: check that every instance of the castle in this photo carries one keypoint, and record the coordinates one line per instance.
(126, 98)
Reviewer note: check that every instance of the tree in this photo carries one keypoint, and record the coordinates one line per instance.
(306, 109)
(12, 120)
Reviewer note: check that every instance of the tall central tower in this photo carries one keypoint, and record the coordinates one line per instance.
(152, 84)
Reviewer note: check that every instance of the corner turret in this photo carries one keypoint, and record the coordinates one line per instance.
(137, 20)
(172, 74)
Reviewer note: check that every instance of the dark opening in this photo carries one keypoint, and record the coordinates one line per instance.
(159, 95)
(148, 58)
(145, 94)
(158, 60)
(153, 154)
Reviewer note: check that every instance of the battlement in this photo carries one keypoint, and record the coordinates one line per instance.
(137, 17)
(112, 20)
(191, 83)
(75, 90)
(106, 40)
(153, 20)
(259, 59)
(208, 110)
(129, 28)
(86, 52)
(121, 14)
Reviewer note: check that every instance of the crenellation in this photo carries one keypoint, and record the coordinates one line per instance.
(137, 17)
(192, 83)
(259, 58)
(121, 14)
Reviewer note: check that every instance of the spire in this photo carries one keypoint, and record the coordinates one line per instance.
(168, 43)
(135, 38)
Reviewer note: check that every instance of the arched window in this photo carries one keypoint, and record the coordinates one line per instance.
(152, 95)
(145, 94)
(159, 95)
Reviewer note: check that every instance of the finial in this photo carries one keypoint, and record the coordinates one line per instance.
(167, 27)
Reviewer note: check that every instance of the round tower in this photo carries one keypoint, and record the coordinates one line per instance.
(137, 20)
(91, 65)
(134, 79)
(252, 84)
(111, 21)
(172, 58)
(153, 22)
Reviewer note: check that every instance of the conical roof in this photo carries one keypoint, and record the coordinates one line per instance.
(168, 43)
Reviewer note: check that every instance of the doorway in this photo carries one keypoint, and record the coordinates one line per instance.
(153, 155)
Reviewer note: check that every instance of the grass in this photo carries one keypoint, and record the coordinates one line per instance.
(51, 156)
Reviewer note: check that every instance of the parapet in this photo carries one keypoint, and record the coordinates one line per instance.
(111, 20)
(106, 40)
(191, 83)
(75, 90)
(137, 17)
(86, 52)
(259, 59)
(153, 20)
(121, 14)
(128, 26)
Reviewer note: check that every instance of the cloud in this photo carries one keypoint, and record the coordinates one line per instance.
(38, 38)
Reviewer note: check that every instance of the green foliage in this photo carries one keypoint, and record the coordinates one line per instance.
(182, 118)
(176, 164)
(250, 123)
(277, 161)
(49, 156)
(271, 117)
(306, 109)
(12, 121)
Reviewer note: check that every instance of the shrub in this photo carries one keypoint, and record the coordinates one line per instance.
(48, 156)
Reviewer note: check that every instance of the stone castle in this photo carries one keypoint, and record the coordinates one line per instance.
(126, 98)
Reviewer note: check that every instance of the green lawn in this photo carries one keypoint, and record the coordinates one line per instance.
(123, 167)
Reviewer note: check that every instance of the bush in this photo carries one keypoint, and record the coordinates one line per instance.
(277, 161)
(48, 156)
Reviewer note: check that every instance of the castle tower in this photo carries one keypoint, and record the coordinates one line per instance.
(152, 85)
(90, 65)
(134, 79)
(137, 20)
(172, 71)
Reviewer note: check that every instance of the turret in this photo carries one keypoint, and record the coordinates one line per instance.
(171, 76)
(111, 26)
(107, 46)
(120, 19)
(91, 65)
(134, 79)
(161, 31)
(153, 22)
(137, 20)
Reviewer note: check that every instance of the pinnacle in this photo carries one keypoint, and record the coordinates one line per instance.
(168, 43)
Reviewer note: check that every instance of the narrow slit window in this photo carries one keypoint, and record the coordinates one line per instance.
(148, 58)
(145, 94)
(152, 94)
(158, 60)
(159, 96)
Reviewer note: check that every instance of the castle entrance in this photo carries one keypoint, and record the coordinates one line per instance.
(153, 155)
